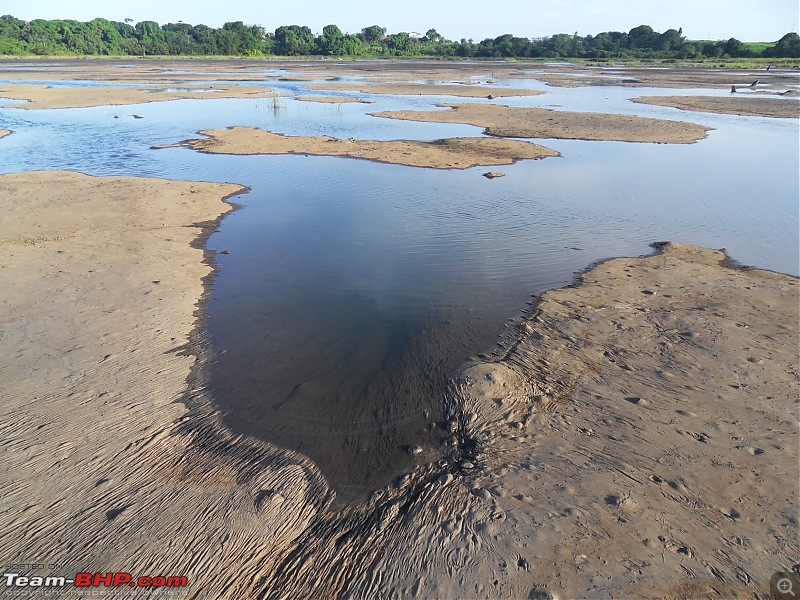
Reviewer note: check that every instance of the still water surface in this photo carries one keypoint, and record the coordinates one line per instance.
(352, 290)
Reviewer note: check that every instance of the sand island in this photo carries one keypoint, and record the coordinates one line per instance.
(451, 153)
(505, 121)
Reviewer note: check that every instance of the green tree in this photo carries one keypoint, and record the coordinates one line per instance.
(788, 46)
(294, 40)
(374, 33)
(331, 42)
(433, 36)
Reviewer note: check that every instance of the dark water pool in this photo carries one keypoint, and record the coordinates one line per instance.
(352, 290)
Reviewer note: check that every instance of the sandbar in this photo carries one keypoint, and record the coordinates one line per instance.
(420, 89)
(331, 99)
(4, 132)
(450, 153)
(42, 96)
(505, 121)
(644, 417)
(748, 106)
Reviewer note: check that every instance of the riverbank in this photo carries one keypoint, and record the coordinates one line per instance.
(636, 434)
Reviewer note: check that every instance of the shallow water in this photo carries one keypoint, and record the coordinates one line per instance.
(352, 290)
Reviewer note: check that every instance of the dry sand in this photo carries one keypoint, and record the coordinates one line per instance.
(420, 89)
(331, 99)
(636, 437)
(731, 105)
(4, 132)
(42, 96)
(451, 153)
(507, 121)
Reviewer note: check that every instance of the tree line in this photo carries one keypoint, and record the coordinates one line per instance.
(112, 38)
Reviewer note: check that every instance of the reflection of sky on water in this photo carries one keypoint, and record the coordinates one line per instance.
(350, 283)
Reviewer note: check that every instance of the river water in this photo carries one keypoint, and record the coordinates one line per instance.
(350, 290)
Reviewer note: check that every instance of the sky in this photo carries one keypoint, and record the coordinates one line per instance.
(746, 20)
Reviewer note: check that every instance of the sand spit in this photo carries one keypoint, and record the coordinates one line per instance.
(331, 99)
(420, 89)
(4, 133)
(504, 121)
(749, 106)
(42, 96)
(451, 153)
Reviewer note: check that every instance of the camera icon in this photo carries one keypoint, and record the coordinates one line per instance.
(785, 585)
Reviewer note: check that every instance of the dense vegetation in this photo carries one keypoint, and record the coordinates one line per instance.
(102, 37)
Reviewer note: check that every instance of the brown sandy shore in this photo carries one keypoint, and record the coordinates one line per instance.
(42, 96)
(505, 121)
(749, 106)
(450, 153)
(636, 437)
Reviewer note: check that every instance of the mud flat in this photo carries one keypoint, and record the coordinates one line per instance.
(636, 434)
(504, 121)
(42, 96)
(451, 153)
(420, 89)
(755, 107)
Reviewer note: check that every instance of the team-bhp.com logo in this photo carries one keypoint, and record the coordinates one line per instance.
(85, 580)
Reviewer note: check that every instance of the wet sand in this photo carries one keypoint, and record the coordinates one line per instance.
(504, 121)
(749, 106)
(42, 97)
(451, 153)
(636, 436)
(331, 99)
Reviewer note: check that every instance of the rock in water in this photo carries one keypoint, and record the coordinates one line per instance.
(493, 174)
